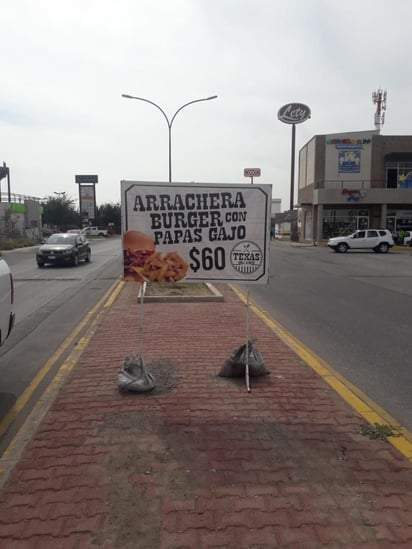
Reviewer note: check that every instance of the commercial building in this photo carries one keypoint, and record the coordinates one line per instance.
(20, 216)
(354, 180)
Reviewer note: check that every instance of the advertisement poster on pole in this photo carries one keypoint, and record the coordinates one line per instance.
(87, 201)
(195, 232)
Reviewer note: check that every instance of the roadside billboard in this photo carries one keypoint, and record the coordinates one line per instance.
(195, 232)
(87, 201)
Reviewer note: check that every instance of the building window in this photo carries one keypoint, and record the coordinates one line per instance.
(399, 175)
(397, 220)
(343, 222)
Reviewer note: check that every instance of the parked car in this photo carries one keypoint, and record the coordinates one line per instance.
(407, 239)
(378, 240)
(94, 231)
(63, 248)
(7, 315)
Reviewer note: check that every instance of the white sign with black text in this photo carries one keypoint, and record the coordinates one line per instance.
(196, 232)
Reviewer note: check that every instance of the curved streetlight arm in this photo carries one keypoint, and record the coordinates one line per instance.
(169, 123)
(151, 102)
(191, 103)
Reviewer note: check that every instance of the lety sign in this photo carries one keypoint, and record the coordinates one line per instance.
(294, 113)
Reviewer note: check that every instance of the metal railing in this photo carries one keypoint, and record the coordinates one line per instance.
(340, 184)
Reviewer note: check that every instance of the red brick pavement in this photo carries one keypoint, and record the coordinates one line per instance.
(200, 462)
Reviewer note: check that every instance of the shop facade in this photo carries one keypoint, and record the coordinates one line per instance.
(354, 180)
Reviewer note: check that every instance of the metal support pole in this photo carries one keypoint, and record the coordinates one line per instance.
(247, 338)
(143, 290)
(170, 153)
(292, 168)
(247, 345)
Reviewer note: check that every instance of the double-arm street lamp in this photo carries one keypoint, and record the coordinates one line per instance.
(169, 122)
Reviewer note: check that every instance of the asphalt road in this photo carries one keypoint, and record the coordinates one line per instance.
(49, 302)
(354, 310)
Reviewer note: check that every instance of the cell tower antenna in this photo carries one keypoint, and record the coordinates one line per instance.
(379, 99)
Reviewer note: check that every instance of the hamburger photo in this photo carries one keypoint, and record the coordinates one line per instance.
(137, 249)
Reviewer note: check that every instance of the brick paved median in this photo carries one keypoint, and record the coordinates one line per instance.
(200, 462)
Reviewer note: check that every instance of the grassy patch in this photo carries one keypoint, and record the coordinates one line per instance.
(379, 431)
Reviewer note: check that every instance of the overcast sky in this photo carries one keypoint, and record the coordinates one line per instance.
(65, 64)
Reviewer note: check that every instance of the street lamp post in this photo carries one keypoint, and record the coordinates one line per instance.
(169, 122)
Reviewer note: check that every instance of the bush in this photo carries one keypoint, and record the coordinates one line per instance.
(13, 243)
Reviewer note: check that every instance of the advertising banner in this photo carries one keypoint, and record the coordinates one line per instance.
(87, 200)
(196, 232)
(349, 162)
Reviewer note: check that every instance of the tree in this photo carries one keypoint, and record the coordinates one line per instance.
(109, 213)
(60, 211)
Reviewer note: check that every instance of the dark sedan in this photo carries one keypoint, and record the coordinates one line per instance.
(64, 248)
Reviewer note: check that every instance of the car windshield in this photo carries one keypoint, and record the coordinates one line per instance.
(62, 239)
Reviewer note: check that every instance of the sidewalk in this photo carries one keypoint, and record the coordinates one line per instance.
(200, 462)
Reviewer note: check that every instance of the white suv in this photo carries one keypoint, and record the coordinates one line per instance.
(378, 240)
(407, 239)
(6, 301)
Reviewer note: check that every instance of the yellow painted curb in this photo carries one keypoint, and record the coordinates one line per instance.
(361, 403)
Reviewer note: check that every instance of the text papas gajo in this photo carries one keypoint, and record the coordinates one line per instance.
(193, 217)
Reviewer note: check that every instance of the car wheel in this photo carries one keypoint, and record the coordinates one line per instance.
(88, 256)
(40, 264)
(375, 250)
(342, 247)
(383, 247)
(75, 261)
